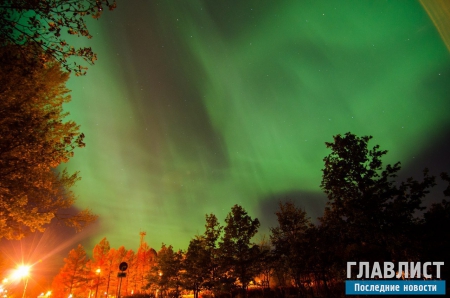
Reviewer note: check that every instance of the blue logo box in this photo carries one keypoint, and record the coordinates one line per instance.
(395, 287)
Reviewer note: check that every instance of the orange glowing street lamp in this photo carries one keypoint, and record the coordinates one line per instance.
(98, 280)
(20, 273)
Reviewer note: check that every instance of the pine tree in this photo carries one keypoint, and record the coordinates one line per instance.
(145, 260)
(74, 276)
(130, 258)
(100, 264)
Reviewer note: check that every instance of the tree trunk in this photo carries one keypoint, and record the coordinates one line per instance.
(324, 279)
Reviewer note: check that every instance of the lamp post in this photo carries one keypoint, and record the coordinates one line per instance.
(160, 283)
(98, 281)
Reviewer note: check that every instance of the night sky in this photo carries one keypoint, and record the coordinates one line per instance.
(194, 106)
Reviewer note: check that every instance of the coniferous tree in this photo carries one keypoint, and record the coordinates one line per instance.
(100, 253)
(99, 264)
(144, 261)
(110, 270)
(73, 276)
(130, 258)
(117, 256)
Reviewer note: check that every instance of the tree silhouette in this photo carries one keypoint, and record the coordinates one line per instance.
(290, 241)
(165, 276)
(436, 235)
(195, 266)
(210, 238)
(238, 253)
(369, 215)
(201, 262)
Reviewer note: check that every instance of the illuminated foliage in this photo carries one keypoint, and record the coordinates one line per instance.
(35, 140)
(114, 258)
(144, 261)
(73, 277)
(100, 253)
(99, 264)
(45, 23)
(127, 282)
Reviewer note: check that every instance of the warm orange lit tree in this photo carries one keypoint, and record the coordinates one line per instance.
(35, 139)
(74, 277)
(100, 253)
(115, 257)
(99, 264)
(109, 270)
(45, 23)
(144, 261)
(130, 258)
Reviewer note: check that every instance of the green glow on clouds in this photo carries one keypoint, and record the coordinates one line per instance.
(192, 108)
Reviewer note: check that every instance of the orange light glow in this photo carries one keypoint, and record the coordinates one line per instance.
(21, 272)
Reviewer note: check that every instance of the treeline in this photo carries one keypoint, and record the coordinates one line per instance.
(369, 217)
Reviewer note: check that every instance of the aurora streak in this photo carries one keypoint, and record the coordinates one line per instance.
(194, 106)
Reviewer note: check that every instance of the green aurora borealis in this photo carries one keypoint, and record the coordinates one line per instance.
(194, 106)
